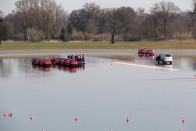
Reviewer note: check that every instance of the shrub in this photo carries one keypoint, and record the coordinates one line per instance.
(77, 36)
(19, 36)
(35, 35)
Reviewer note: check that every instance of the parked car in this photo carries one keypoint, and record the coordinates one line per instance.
(35, 61)
(164, 58)
(150, 52)
(45, 62)
(67, 62)
(58, 60)
(53, 59)
(73, 63)
(142, 51)
(61, 61)
(146, 52)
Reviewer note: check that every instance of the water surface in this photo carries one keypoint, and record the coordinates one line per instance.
(102, 93)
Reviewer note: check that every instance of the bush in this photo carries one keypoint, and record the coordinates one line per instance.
(102, 37)
(77, 36)
(35, 35)
(19, 36)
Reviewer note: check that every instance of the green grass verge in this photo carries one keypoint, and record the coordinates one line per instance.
(95, 45)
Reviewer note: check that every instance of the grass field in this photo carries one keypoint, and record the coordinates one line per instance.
(95, 45)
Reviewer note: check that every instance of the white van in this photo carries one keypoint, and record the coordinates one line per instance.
(164, 58)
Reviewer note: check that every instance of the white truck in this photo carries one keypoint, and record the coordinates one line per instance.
(164, 58)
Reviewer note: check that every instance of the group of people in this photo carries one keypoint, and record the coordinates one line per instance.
(79, 58)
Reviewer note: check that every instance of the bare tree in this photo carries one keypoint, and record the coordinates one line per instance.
(85, 19)
(43, 15)
(3, 28)
(121, 20)
(192, 20)
(166, 12)
(101, 22)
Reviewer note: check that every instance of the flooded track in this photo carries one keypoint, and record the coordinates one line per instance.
(102, 94)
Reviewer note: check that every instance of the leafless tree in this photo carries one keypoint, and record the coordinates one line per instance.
(4, 29)
(44, 15)
(121, 20)
(165, 12)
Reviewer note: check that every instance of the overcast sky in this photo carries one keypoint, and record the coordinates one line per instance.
(8, 5)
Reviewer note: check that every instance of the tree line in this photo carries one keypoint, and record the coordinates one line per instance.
(37, 20)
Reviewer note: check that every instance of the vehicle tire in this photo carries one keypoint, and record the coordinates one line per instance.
(158, 62)
(170, 62)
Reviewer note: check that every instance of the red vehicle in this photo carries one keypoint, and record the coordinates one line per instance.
(61, 61)
(73, 63)
(150, 52)
(35, 61)
(145, 51)
(58, 60)
(45, 62)
(67, 62)
(53, 60)
(142, 51)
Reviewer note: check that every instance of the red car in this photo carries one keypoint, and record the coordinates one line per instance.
(35, 61)
(58, 60)
(73, 63)
(142, 51)
(150, 52)
(61, 61)
(67, 62)
(53, 60)
(145, 51)
(45, 62)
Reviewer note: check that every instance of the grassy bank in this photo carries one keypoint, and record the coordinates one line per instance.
(96, 45)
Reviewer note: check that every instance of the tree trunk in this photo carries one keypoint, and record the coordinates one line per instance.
(165, 28)
(112, 38)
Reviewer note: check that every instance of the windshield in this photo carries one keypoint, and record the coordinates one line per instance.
(168, 55)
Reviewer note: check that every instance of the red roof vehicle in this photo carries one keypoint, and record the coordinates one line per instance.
(73, 63)
(53, 59)
(35, 61)
(150, 52)
(142, 51)
(145, 51)
(45, 62)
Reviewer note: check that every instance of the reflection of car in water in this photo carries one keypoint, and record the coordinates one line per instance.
(42, 68)
(73, 69)
(164, 58)
(146, 57)
(70, 69)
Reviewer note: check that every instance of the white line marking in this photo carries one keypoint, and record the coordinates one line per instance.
(147, 66)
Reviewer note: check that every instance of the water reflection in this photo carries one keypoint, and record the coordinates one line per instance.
(80, 67)
(5, 68)
(23, 65)
(41, 68)
(185, 62)
(99, 89)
